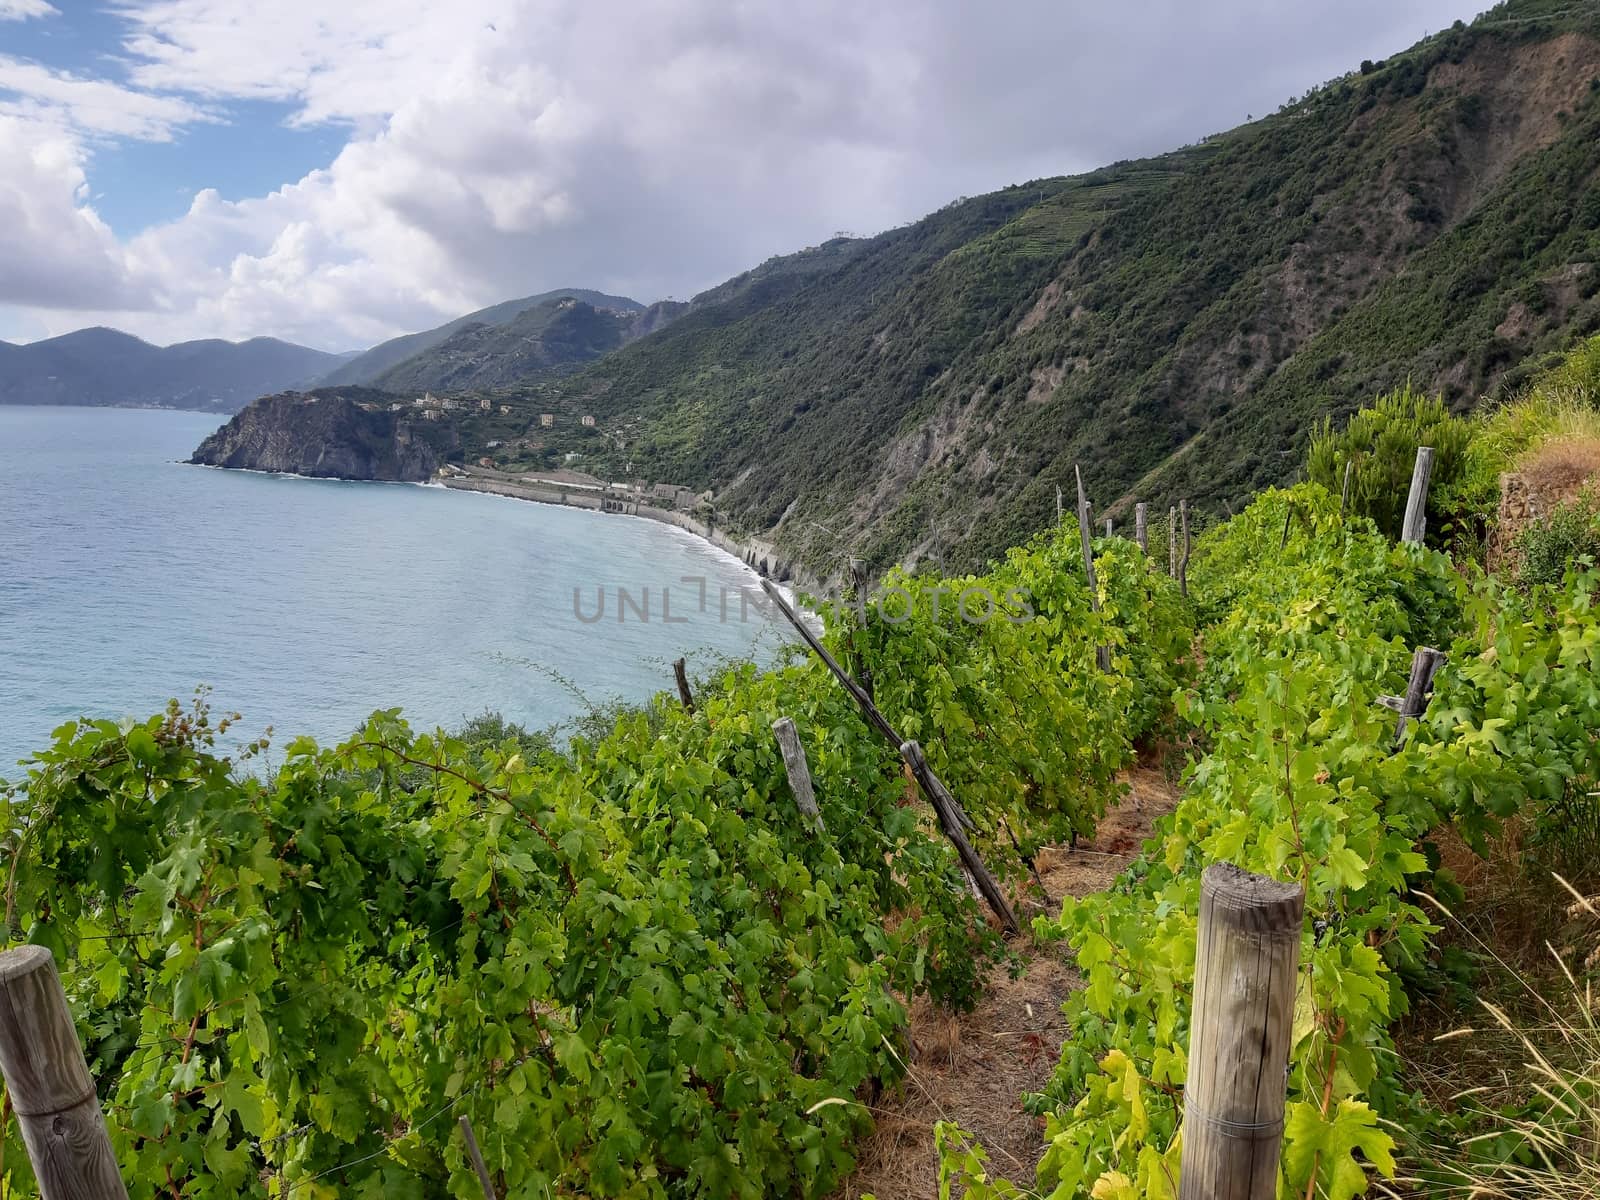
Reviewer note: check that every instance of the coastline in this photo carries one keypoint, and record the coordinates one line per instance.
(759, 556)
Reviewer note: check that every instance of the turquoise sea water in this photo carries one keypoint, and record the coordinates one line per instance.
(127, 578)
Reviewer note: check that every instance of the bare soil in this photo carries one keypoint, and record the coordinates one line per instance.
(974, 1068)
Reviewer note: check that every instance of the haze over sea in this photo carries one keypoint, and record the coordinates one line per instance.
(127, 578)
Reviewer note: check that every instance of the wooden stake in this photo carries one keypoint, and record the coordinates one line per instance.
(1141, 523)
(1058, 504)
(1110, 528)
(794, 762)
(681, 673)
(1344, 492)
(1183, 562)
(1247, 953)
(476, 1156)
(1425, 664)
(1172, 542)
(1283, 542)
(1416, 521)
(952, 818)
(1102, 654)
(49, 1085)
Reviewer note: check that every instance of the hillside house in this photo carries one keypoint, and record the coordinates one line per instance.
(547, 420)
(588, 422)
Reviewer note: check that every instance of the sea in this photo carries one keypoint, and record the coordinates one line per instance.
(128, 578)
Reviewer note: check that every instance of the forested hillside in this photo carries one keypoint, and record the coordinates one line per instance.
(1177, 322)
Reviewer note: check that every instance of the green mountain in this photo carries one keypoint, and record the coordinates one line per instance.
(551, 338)
(366, 368)
(106, 367)
(1174, 324)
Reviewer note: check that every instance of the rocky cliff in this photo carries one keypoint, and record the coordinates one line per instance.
(343, 434)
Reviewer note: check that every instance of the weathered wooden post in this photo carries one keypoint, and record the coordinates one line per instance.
(953, 818)
(681, 673)
(1416, 521)
(1246, 959)
(1183, 560)
(1110, 527)
(1425, 664)
(49, 1083)
(1344, 492)
(1288, 515)
(1172, 542)
(1102, 654)
(794, 763)
(1141, 526)
(476, 1157)
(1058, 504)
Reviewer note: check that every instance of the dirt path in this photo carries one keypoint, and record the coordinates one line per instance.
(974, 1068)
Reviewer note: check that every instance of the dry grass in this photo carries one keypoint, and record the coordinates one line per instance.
(974, 1068)
(1540, 1050)
(1557, 469)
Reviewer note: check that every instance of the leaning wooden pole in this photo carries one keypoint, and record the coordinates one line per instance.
(1415, 526)
(1344, 492)
(1141, 526)
(680, 672)
(1102, 654)
(799, 772)
(49, 1085)
(952, 817)
(475, 1155)
(1247, 955)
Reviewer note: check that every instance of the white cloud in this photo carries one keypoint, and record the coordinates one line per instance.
(22, 10)
(500, 147)
(55, 250)
(92, 106)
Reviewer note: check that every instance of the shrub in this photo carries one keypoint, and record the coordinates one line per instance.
(1382, 442)
(1550, 548)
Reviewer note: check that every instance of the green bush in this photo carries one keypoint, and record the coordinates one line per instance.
(1551, 548)
(1382, 442)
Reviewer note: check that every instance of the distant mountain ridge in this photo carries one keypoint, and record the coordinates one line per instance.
(553, 338)
(101, 366)
(366, 369)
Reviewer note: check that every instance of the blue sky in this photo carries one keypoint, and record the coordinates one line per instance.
(338, 173)
(251, 149)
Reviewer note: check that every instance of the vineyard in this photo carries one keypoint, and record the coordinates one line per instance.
(639, 969)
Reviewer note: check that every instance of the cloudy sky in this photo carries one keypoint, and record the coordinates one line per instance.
(336, 173)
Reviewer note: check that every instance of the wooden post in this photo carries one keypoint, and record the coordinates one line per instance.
(1247, 954)
(1344, 492)
(1416, 522)
(1172, 542)
(955, 822)
(476, 1156)
(1141, 525)
(51, 1090)
(1058, 504)
(1102, 654)
(794, 762)
(952, 817)
(1288, 514)
(1425, 664)
(681, 674)
(1183, 561)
